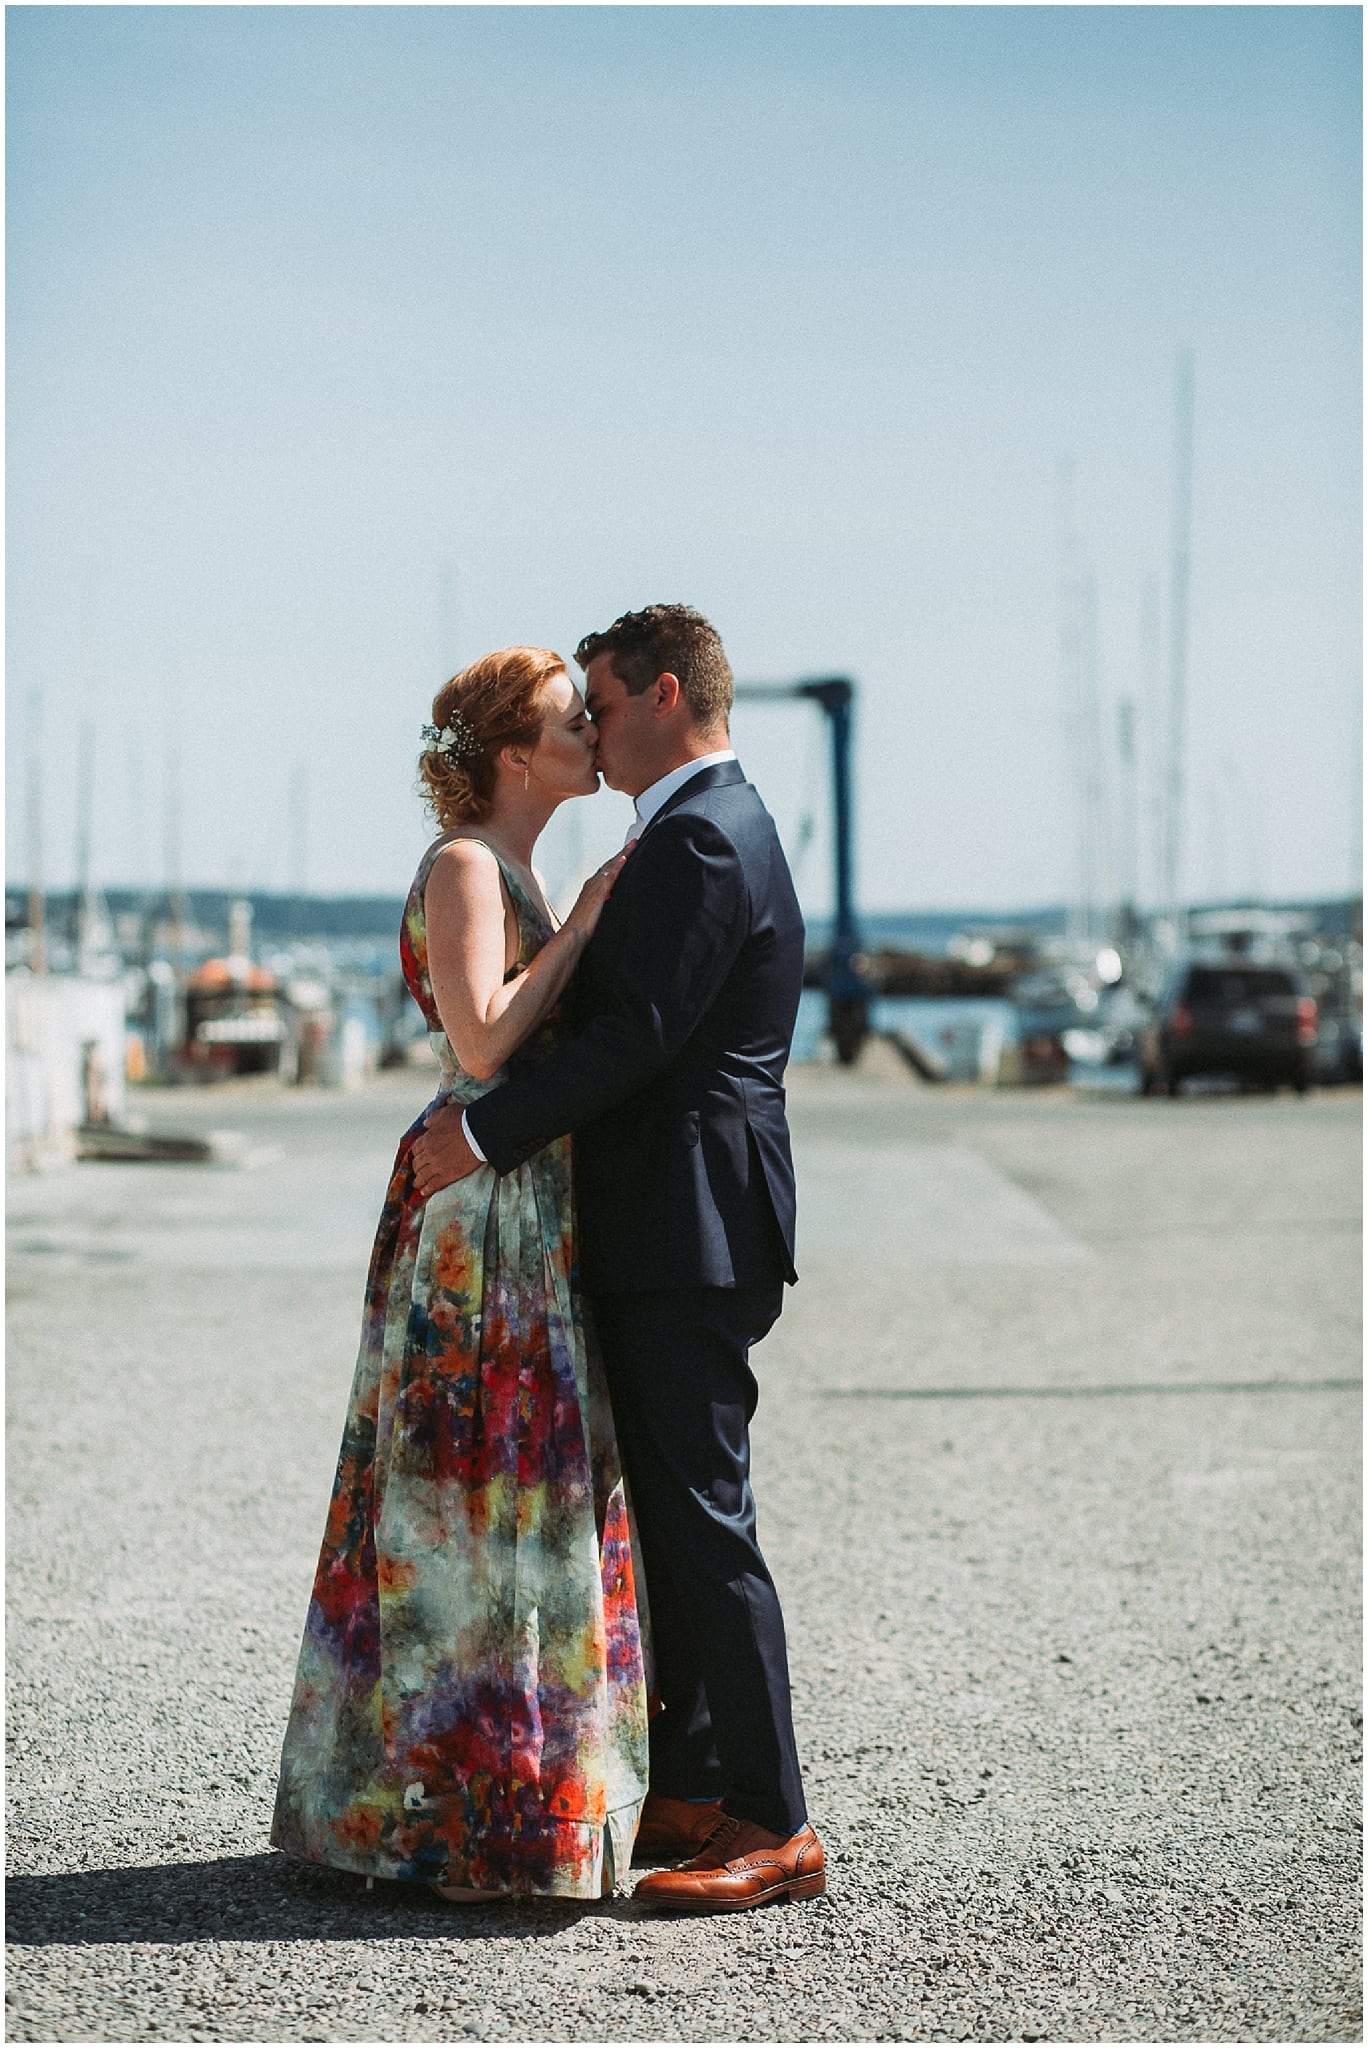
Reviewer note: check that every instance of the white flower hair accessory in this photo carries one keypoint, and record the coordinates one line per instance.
(456, 739)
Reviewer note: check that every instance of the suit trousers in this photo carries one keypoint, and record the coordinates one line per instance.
(683, 1396)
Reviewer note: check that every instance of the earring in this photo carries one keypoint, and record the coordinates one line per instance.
(526, 774)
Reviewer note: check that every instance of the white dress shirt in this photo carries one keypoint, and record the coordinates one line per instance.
(650, 802)
(658, 795)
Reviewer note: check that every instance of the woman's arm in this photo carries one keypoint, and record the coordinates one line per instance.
(685, 918)
(471, 945)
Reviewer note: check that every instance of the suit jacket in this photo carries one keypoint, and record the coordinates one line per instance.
(683, 1006)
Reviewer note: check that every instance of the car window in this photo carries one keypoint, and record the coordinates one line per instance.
(1237, 984)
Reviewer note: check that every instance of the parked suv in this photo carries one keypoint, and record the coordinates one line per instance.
(1235, 1017)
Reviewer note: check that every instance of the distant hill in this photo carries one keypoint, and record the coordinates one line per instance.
(274, 918)
(928, 931)
(279, 919)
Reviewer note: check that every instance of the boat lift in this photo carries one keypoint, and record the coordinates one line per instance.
(847, 988)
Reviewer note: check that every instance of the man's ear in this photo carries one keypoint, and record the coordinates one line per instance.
(667, 693)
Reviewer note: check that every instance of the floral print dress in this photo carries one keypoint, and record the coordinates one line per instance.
(469, 1705)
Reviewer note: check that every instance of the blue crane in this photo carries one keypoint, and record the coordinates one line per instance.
(847, 989)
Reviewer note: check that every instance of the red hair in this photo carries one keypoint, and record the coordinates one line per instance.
(499, 699)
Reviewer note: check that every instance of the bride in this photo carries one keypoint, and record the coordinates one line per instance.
(469, 1708)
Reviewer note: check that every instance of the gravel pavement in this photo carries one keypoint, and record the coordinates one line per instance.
(1058, 1466)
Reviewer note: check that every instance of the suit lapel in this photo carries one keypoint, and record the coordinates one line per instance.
(603, 946)
(717, 777)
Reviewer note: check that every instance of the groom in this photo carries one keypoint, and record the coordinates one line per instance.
(684, 1000)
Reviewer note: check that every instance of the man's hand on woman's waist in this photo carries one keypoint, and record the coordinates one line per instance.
(444, 1152)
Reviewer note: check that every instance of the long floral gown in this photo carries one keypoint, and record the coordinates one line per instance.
(469, 1704)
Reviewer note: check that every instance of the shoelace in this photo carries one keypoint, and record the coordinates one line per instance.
(723, 1831)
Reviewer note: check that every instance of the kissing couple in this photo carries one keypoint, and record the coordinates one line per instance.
(542, 1635)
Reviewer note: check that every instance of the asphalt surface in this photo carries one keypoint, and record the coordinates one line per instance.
(1058, 1468)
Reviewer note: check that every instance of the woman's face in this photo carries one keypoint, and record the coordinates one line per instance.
(563, 759)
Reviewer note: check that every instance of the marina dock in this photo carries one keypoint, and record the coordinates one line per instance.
(1057, 1459)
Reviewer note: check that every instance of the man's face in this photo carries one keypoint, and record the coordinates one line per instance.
(630, 738)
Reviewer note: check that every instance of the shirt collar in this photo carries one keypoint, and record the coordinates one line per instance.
(650, 800)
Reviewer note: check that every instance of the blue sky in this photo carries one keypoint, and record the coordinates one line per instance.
(788, 312)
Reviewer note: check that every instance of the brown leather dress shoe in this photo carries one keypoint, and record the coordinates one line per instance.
(673, 1827)
(740, 1865)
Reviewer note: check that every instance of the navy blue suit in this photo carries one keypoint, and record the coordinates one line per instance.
(684, 1006)
(684, 1003)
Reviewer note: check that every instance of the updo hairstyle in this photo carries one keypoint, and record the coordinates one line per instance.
(499, 698)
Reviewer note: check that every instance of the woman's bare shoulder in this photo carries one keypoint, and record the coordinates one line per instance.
(464, 856)
(466, 873)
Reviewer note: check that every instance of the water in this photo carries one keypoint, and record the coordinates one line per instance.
(930, 931)
(959, 1029)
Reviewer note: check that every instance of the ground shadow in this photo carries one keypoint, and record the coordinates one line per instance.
(264, 1898)
(1116, 1391)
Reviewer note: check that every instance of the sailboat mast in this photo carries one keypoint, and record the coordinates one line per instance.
(1096, 839)
(1180, 573)
(1070, 691)
(85, 805)
(172, 850)
(299, 839)
(1154, 729)
(36, 906)
(446, 620)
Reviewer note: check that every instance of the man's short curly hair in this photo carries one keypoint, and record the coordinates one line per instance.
(671, 638)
